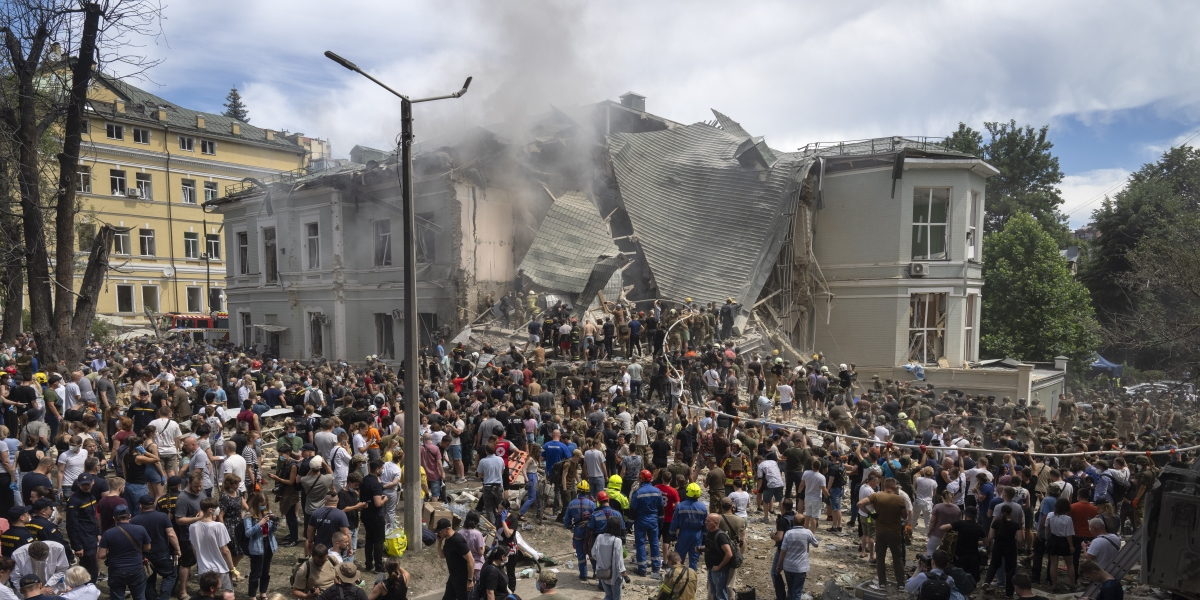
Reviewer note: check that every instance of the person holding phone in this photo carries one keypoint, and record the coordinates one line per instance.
(260, 526)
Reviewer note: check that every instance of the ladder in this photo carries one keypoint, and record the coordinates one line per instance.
(1128, 556)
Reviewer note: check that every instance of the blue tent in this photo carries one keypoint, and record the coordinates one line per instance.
(1102, 364)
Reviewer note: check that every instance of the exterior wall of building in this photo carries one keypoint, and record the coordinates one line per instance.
(863, 242)
(172, 276)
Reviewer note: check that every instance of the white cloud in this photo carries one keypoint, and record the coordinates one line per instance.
(793, 72)
(1084, 192)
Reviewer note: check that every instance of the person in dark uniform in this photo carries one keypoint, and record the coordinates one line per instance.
(40, 525)
(142, 411)
(17, 535)
(83, 524)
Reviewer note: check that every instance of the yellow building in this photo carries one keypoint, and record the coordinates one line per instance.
(148, 165)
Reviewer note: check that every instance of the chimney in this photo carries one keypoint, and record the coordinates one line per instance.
(119, 105)
(199, 122)
(270, 135)
(634, 100)
(162, 115)
(1060, 363)
(236, 129)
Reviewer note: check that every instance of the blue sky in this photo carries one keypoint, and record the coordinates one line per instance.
(1116, 81)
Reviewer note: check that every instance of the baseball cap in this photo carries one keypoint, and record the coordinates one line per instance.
(42, 504)
(31, 579)
(174, 480)
(120, 510)
(146, 500)
(15, 512)
(309, 447)
(85, 479)
(442, 523)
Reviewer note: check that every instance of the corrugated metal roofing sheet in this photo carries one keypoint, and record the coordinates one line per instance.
(571, 241)
(709, 228)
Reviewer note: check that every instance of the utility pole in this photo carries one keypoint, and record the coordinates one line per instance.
(412, 412)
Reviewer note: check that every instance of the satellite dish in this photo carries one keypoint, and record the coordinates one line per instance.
(169, 272)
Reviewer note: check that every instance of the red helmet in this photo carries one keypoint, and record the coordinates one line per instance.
(10, 370)
(256, 364)
(602, 497)
(646, 475)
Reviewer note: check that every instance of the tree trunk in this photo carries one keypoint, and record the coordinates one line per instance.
(14, 270)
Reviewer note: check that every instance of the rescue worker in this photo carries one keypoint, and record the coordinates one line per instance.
(598, 524)
(688, 525)
(40, 526)
(620, 500)
(647, 503)
(736, 465)
(16, 535)
(578, 515)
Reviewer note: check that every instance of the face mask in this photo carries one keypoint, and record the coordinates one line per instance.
(262, 509)
(291, 434)
(257, 443)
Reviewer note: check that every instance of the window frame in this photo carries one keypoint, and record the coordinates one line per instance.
(972, 251)
(210, 186)
(312, 245)
(114, 131)
(925, 229)
(141, 132)
(83, 179)
(208, 147)
(243, 248)
(146, 240)
(85, 231)
(247, 328)
(426, 246)
(187, 143)
(218, 305)
(212, 246)
(970, 340)
(316, 334)
(157, 298)
(385, 336)
(191, 245)
(132, 298)
(122, 238)
(187, 295)
(382, 250)
(920, 347)
(145, 185)
(114, 179)
(270, 255)
(187, 188)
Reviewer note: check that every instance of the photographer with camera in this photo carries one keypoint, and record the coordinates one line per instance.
(260, 527)
(929, 580)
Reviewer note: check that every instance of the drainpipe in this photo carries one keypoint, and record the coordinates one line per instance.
(171, 222)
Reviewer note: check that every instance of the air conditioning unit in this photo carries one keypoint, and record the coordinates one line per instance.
(918, 269)
(133, 193)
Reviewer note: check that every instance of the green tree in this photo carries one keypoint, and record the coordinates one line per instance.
(1029, 173)
(235, 108)
(1033, 308)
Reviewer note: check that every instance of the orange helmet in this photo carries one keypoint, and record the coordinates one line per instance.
(646, 476)
(602, 497)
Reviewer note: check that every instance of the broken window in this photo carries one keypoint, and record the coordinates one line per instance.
(927, 327)
(426, 230)
(385, 339)
(969, 327)
(247, 330)
(930, 208)
(312, 233)
(316, 334)
(383, 243)
(270, 260)
(125, 299)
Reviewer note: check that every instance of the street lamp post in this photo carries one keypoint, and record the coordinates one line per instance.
(412, 421)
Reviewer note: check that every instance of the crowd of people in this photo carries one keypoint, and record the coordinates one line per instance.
(650, 424)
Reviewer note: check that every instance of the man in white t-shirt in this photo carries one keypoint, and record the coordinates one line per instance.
(882, 435)
(741, 499)
(210, 542)
(167, 435)
(812, 483)
(233, 463)
(71, 464)
(768, 473)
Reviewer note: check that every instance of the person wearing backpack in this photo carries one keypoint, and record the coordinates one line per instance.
(930, 581)
(719, 556)
(960, 541)
(792, 559)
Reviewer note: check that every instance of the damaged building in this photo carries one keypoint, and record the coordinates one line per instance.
(868, 251)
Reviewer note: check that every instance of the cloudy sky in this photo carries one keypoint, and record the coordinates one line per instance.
(1116, 81)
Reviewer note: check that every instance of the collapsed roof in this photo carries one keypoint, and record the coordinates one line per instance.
(572, 248)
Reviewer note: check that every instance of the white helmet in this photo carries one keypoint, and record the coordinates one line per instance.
(842, 366)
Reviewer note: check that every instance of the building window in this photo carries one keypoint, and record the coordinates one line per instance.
(195, 298)
(208, 147)
(426, 250)
(972, 226)
(150, 298)
(86, 233)
(83, 181)
(930, 208)
(115, 132)
(210, 191)
(316, 330)
(85, 127)
(141, 136)
(213, 246)
(312, 241)
(189, 191)
(270, 260)
(247, 330)
(969, 328)
(385, 341)
(383, 243)
(186, 143)
(116, 180)
(243, 243)
(125, 299)
(146, 242)
(927, 327)
(121, 242)
(214, 299)
(145, 189)
(191, 245)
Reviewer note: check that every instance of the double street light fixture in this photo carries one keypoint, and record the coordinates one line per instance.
(412, 421)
